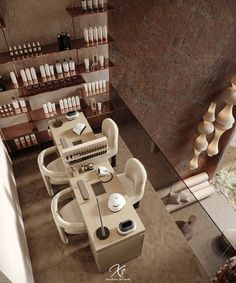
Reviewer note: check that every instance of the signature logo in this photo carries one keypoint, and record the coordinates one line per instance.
(118, 272)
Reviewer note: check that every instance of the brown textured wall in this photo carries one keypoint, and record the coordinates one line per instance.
(172, 59)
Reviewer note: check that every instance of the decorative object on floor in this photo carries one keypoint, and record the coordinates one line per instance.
(186, 227)
(205, 128)
(191, 190)
(224, 121)
(68, 219)
(174, 198)
(225, 182)
(227, 272)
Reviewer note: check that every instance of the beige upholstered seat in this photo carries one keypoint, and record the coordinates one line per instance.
(68, 219)
(53, 173)
(110, 130)
(133, 180)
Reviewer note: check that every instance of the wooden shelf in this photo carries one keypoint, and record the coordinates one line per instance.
(39, 115)
(16, 114)
(109, 88)
(11, 144)
(51, 86)
(35, 89)
(82, 70)
(76, 12)
(2, 23)
(52, 49)
(107, 107)
(22, 129)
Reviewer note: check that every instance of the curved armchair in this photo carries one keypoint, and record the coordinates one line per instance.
(110, 130)
(133, 180)
(68, 219)
(53, 173)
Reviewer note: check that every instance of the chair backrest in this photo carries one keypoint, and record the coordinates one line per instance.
(63, 195)
(43, 169)
(136, 172)
(110, 130)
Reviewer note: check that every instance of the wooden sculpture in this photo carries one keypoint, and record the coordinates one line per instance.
(205, 128)
(224, 121)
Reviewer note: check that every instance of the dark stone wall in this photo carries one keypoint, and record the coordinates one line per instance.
(172, 58)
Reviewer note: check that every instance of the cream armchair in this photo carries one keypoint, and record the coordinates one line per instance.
(53, 173)
(110, 130)
(133, 180)
(68, 219)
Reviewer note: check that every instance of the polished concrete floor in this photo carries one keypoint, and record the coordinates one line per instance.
(165, 256)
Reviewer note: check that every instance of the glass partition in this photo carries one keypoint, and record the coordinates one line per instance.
(195, 209)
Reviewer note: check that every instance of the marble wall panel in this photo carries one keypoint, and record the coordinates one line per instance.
(172, 59)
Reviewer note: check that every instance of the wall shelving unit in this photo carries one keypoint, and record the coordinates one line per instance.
(37, 115)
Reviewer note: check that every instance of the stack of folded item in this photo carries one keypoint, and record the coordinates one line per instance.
(185, 192)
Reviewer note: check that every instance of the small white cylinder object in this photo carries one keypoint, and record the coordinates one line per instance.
(14, 80)
(100, 85)
(104, 84)
(100, 33)
(99, 104)
(69, 102)
(73, 101)
(22, 141)
(93, 86)
(54, 107)
(49, 105)
(72, 65)
(33, 138)
(97, 85)
(95, 33)
(45, 108)
(86, 62)
(42, 71)
(59, 68)
(61, 104)
(95, 4)
(34, 75)
(65, 103)
(101, 3)
(86, 35)
(51, 69)
(77, 100)
(15, 104)
(90, 4)
(22, 102)
(104, 33)
(47, 70)
(89, 87)
(65, 67)
(101, 61)
(23, 76)
(91, 34)
(28, 75)
(17, 143)
(86, 88)
(28, 140)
